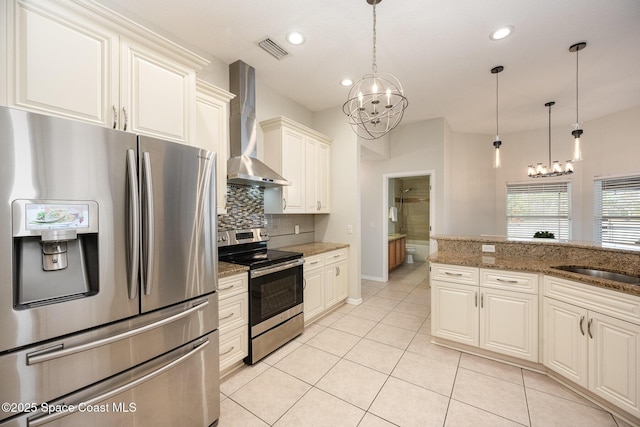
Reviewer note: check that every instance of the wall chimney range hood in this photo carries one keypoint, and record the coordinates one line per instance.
(243, 167)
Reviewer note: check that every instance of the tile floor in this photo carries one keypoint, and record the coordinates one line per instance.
(373, 365)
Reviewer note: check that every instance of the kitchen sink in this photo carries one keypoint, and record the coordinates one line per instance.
(602, 274)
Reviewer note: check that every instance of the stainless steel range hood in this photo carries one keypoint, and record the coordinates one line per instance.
(243, 167)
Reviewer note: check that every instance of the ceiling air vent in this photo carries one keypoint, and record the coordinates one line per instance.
(273, 48)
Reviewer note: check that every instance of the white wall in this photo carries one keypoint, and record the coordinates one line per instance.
(610, 146)
(412, 147)
(345, 192)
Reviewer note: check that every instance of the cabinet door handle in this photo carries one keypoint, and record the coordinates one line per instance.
(582, 325)
(126, 118)
(453, 274)
(228, 316)
(476, 298)
(589, 328)
(304, 284)
(115, 117)
(226, 287)
(228, 351)
(318, 204)
(285, 204)
(337, 271)
(313, 262)
(481, 300)
(506, 281)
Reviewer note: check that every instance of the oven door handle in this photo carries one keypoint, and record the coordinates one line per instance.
(259, 272)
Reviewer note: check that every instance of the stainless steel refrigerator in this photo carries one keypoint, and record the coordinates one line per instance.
(108, 277)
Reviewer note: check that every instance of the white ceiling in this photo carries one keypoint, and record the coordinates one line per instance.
(439, 49)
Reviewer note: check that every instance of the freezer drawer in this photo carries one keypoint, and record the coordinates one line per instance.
(180, 388)
(47, 371)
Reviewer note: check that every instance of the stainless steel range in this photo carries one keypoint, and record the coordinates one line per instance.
(275, 289)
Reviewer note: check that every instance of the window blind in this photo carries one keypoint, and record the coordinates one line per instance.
(616, 208)
(539, 207)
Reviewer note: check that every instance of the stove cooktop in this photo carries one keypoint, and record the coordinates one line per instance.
(261, 258)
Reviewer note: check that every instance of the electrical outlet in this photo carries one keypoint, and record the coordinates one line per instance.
(349, 229)
(296, 229)
(488, 248)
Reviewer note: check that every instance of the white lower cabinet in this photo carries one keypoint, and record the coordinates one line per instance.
(326, 280)
(491, 309)
(592, 337)
(234, 319)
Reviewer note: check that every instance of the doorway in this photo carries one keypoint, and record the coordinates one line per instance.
(409, 207)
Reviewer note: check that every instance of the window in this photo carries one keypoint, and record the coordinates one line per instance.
(616, 209)
(539, 207)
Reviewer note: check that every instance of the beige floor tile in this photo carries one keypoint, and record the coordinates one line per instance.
(310, 332)
(308, 363)
(370, 313)
(541, 382)
(241, 377)
(403, 287)
(391, 335)
(622, 423)
(345, 308)
(282, 352)
(334, 341)
(384, 303)
(463, 415)
(414, 309)
(491, 394)
(491, 367)
(422, 344)
(547, 410)
(403, 320)
(393, 294)
(420, 296)
(426, 372)
(426, 327)
(374, 284)
(320, 409)
(375, 355)
(353, 383)
(408, 405)
(330, 318)
(353, 325)
(234, 415)
(371, 420)
(271, 394)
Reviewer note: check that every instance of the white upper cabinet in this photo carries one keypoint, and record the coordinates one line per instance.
(82, 61)
(301, 155)
(212, 132)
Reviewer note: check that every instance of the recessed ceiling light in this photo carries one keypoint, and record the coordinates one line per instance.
(502, 32)
(295, 38)
(346, 82)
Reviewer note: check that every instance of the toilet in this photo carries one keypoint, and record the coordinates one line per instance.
(410, 251)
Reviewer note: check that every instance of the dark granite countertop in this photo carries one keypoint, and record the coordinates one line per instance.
(533, 265)
(315, 248)
(227, 269)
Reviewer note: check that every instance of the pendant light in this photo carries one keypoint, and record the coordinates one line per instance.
(497, 143)
(552, 169)
(376, 103)
(577, 132)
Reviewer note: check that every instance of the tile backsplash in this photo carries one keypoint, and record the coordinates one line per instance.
(245, 209)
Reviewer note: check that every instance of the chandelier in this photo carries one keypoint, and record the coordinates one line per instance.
(376, 103)
(553, 169)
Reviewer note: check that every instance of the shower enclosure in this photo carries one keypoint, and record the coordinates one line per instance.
(410, 198)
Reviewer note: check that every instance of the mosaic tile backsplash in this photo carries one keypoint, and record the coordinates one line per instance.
(245, 208)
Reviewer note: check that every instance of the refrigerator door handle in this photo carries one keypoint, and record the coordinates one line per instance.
(59, 351)
(148, 244)
(40, 421)
(134, 224)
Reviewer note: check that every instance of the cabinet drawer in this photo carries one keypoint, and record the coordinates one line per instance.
(234, 346)
(335, 256)
(313, 262)
(509, 280)
(232, 285)
(455, 273)
(613, 303)
(233, 312)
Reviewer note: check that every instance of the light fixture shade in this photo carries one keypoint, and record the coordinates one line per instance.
(375, 105)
